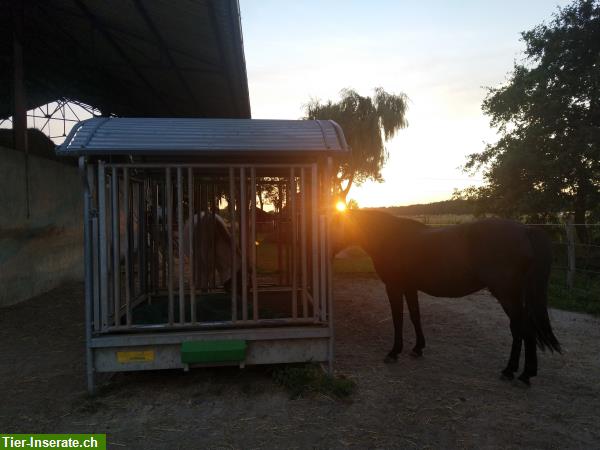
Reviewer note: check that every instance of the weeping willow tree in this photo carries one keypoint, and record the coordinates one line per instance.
(368, 123)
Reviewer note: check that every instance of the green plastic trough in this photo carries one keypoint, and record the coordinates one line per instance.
(196, 352)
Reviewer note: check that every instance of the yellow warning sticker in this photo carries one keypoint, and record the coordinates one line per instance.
(138, 356)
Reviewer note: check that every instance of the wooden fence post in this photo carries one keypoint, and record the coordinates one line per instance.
(570, 228)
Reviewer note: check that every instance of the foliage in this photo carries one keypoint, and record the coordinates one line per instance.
(548, 117)
(352, 204)
(368, 122)
(305, 378)
(454, 207)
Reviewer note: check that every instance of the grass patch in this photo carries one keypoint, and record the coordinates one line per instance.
(300, 380)
(584, 297)
(355, 260)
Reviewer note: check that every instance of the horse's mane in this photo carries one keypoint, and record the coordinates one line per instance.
(381, 226)
(381, 218)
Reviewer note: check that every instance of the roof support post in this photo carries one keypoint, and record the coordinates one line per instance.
(19, 99)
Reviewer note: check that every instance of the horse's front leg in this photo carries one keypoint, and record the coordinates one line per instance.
(412, 300)
(395, 296)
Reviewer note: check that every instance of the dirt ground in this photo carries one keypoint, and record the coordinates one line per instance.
(451, 398)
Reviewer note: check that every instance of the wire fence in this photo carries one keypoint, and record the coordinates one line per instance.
(575, 279)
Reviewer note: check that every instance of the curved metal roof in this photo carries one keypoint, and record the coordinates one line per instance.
(129, 58)
(168, 137)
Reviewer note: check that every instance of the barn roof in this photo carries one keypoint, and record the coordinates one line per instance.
(130, 58)
(191, 136)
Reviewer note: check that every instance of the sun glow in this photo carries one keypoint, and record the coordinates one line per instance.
(340, 206)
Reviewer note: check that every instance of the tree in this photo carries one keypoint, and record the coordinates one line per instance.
(548, 115)
(368, 122)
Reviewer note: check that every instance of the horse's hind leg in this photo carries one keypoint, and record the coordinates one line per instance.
(412, 300)
(515, 351)
(530, 369)
(395, 297)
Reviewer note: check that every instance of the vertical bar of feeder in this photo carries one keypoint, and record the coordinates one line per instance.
(213, 253)
(116, 232)
(142, 238)
(329, 183)
(191, 242)
(180, 240)
(233, 245)
(323, 267)
(103, 242)
(244, 243)
(92, 182)
(314, 210)
(253, 242)
(155, 239)
(169, 192)
(303, 242)
(294, 242)
(164, 234)
(126, 213)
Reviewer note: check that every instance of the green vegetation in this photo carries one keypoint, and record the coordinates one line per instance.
(584, 297)
(456, 207)
(302, 379)
(547, 159)
(368, 122)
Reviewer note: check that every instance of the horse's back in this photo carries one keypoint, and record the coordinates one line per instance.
(457, 260)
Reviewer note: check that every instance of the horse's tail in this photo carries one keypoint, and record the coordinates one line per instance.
(536, 291)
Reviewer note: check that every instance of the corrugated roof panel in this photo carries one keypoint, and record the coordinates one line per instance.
(169, 136)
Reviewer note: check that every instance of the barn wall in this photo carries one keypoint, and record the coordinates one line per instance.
(40, 252)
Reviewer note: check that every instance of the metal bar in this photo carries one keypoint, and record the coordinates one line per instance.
(322, 267)
(138, 165)
(253, 242)
(116, 241)
(329, 200)
(180, 240)
(233, 245)
(143, 272)
(191, 239)
(169, 189)
(155, 239)
(96, 279)
(164, 235)
(126, 213)
(244, 243)
(220, 324)
(314, 210)
(19, 94)
(89, 279)
(103, 243)
(294, 242)
(303, 255)
(279, 234)
(213, 240)
(204, 226)
(93, 187)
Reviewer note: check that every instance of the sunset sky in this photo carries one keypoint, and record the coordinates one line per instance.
(440, 53)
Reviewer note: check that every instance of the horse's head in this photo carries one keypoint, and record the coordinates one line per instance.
(344, 230)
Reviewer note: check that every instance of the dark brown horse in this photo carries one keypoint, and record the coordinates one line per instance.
(510, 259)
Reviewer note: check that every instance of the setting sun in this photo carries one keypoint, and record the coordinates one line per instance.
(340, 206)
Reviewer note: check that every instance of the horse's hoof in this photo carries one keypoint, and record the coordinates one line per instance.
(416, 353)
(390, 359)
(525, 379)
(507, 375)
